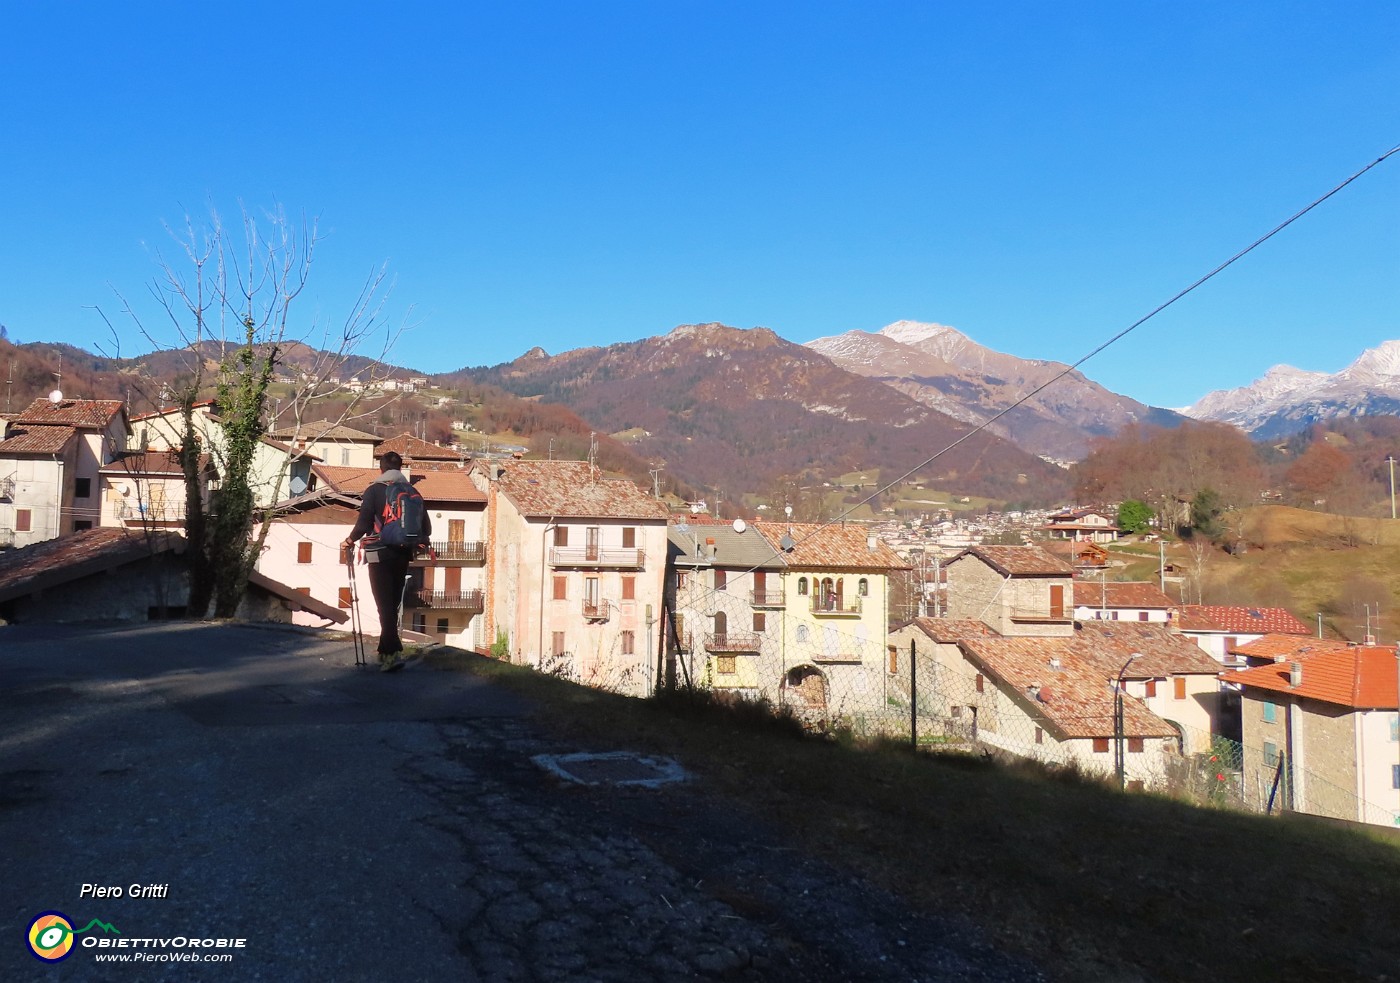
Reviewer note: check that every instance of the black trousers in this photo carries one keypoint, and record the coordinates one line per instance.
(386, 581)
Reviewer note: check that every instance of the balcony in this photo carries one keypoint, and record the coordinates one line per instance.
(832, 606)
(156, 512)
(734, 641)
(833, 657)
(597, 611)
(596, 556)
(1041, 616)
(767, 599)
(454, 552)
(469, 601)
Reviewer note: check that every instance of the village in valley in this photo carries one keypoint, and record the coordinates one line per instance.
(992, 633)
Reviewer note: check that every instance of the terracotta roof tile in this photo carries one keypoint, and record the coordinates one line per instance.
(37, 439)
(410, 448)
(1130, 594)
(1163, 652)
(830, 547)
(1286, 646)
(953, 630)
(1247, 620)
(573, 489)
(151, 462)
(1076, 697)
(1019, 561)
(87, 414)
(1358, 676)
(351, 481)
(446, 486)
(67, 558)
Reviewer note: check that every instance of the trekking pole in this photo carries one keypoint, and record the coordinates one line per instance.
(355, 631)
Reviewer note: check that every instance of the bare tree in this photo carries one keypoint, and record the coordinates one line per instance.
(231, 304)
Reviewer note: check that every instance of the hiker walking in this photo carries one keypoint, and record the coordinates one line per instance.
(389, 507)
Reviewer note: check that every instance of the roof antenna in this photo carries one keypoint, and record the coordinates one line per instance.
(56, 396)
(592, 456)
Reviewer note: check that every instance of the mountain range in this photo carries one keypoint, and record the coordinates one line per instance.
(945, 370)
(1286, 400)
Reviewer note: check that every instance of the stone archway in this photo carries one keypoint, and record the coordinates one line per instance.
(806, 686)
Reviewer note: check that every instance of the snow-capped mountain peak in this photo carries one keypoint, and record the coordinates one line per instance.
(913, 332)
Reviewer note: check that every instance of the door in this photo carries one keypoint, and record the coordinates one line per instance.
(591, 545)
(456, 530)
(760, 587)
(452, 583)
(721, 627)
(1057, 601)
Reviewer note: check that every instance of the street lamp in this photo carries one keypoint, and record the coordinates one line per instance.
(1119, 761)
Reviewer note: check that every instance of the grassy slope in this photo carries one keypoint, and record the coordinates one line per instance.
(1094, 884)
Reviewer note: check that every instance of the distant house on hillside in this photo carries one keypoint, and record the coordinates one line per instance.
(1082, 525)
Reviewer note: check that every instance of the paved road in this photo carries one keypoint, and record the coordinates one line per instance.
(353, 825)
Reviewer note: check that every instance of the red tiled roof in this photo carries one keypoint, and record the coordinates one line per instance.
(1018, 561)
(410, 448)
(1286, 646)
(1128, 594)
(1162, 652)
(830, 547)
(447, 486)
(59, 561)
(1358, 676)
(573, 489)
(1245, 620)
(1076, 698)
(37, 439)
(297, 598)
(151, 462)
(352, 481)
(953, 630)
(86, 414)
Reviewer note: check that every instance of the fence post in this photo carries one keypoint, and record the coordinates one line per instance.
(913, 698)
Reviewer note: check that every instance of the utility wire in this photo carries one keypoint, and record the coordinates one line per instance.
(1111, 341)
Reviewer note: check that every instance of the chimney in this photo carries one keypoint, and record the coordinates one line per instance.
(1295, 674)
(871, 542)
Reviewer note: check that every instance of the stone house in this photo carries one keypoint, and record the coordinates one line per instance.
(1017, 590)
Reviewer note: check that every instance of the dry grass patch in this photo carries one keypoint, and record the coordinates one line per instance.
(1092, 883)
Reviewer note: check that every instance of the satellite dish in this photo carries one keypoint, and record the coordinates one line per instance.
(788, 510)
(740, 525)
(123, 488)
(56, 397)
(683, 527)
(297, 485)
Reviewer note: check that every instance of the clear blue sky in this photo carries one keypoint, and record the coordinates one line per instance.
(1037, 175)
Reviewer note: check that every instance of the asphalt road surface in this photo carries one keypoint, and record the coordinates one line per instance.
(228, 802)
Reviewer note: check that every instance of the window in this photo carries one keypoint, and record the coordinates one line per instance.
(802, 586)
(725, 665)
(863, 587)
(1039, 736)
(760, 621)
(303, 552)
(82, 524)
(561, 535)
(1395, 727)
(629, 538)
(629, 588)
(721, 579)
(894, 660)
(561, 588)
(345, 597)
(1270, 712)
(629, 642)
(1270, 754)
(1142, 615)
(1151, 688)
(420, 623)
(682, 580)
(802, 633)
(1179, 688)
(1101, 745)
(1135, 745)
(981, 683)
(1395, 776)
(345, 457)
(82, 488)
(558, 639)
(24, 520)
(442, 626)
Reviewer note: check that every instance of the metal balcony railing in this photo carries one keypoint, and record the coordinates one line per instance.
(597, 611)
(150, 512)
(733, 641)
(831, 605)
(596, 556)
(470, 552)
(7, 537)
(767, 599)
(7, 489)
(471, 601)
